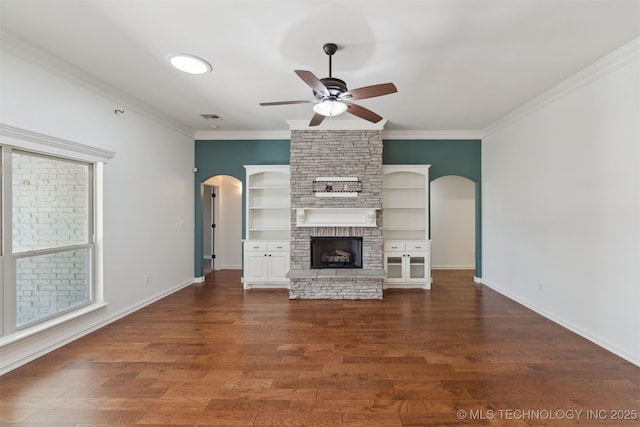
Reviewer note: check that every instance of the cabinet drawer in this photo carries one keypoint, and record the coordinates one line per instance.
(255, 246)
(278, 246)
(394, 246)
(418, 246)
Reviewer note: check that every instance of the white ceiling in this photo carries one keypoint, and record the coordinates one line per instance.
(458, 64)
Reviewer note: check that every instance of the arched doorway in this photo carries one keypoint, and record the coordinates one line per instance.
(221, 202)
(453, 223)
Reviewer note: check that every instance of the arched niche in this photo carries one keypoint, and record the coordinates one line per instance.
(453, 222)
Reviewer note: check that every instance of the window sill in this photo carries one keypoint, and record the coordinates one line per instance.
(49, 324)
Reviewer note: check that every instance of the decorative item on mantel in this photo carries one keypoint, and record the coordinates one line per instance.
(332, 186)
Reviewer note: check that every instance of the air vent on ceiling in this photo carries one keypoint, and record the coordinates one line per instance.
(210, 116)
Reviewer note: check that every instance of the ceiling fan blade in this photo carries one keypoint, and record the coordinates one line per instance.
(370, 91)
(316, 119)
(362, 112)
(312, 81)
(284, 103)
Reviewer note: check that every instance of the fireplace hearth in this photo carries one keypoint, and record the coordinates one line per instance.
(336, 252)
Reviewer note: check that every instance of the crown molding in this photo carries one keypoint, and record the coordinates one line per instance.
(45, 60)
(610, 63)
(217, 135)
(241, 135)
(432, 134)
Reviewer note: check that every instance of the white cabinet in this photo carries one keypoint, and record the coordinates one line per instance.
(405, 229)
(268, 226)
(407, 264)
(266, 264)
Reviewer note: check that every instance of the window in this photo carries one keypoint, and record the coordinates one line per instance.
(51, 235)
(48, 237)
(50, 231)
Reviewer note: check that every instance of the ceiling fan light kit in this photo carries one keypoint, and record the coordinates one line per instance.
(330, 108)
(332, 95)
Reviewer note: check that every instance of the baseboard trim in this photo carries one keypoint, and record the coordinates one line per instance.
(80, 331)
(567, 325)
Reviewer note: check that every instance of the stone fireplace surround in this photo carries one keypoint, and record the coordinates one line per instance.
(336, 153)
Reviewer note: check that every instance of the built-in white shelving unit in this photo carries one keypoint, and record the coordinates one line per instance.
(268, 226)
(268, 203)
(405, 213)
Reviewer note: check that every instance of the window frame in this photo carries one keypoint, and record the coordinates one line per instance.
(10, 258)
(12, 138)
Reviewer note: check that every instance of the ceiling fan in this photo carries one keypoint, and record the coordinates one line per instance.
(332, 97)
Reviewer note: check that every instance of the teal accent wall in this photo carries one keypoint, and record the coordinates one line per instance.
(228, 158)
(446, 157)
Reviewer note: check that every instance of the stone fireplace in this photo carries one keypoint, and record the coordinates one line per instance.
(336, 195)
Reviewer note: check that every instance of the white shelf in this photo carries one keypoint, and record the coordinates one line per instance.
(405, 195)
(269, 208)
(404, 229)
(268, 202)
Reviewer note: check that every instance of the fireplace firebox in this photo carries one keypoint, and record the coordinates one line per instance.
(336, 252)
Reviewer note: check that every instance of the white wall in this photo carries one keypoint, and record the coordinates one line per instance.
(561, 206)
(452, 216)
(148, 190)
(229, 223)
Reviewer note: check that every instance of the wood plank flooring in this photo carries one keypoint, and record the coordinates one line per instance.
(215, 355)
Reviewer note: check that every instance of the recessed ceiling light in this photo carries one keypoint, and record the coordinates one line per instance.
(189, 63)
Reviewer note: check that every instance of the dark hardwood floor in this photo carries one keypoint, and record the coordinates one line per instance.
(215, 355)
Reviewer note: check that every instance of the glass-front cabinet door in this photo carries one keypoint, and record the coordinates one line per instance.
(394, 266)
(417, 267)
(407, 267)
